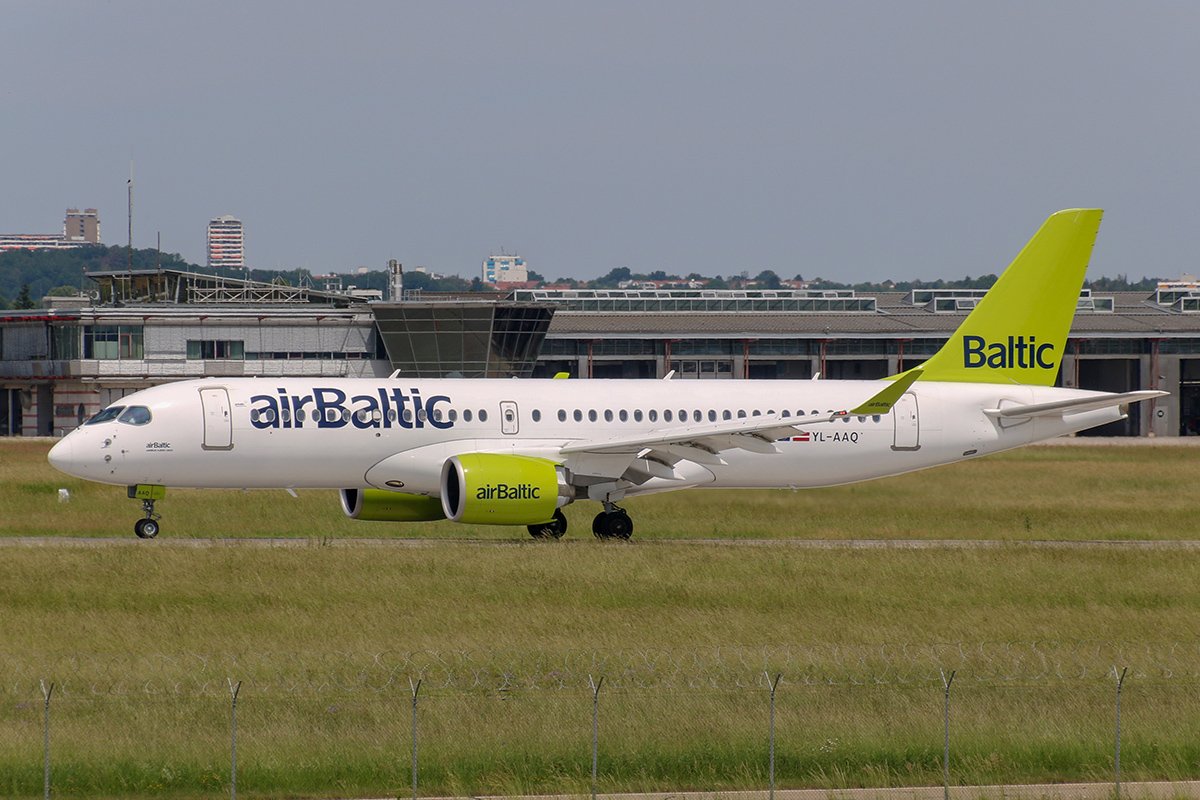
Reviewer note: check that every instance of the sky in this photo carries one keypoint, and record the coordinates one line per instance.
(855, 141)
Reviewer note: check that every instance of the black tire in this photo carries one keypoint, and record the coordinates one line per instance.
(619, 525)
(614, 525)
(146, 528)
(554, 529)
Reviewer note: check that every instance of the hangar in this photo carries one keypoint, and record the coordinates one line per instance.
(63, 362)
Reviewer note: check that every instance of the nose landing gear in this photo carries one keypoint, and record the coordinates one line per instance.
(147, 527)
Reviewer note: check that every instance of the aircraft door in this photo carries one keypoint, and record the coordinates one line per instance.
(218, 424)
(509, 422)
(908, 423)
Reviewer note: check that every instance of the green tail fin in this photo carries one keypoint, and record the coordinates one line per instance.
(1017, 332)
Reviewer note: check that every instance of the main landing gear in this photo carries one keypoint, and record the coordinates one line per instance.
(612, 523)
(554, 529)
(147, 526)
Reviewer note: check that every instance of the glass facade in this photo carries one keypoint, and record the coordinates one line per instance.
(113, 341)
(463, 339)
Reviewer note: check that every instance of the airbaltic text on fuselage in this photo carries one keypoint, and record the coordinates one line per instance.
(1016, 352)
(330, 408)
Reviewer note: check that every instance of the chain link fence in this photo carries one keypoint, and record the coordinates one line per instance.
(486, 722)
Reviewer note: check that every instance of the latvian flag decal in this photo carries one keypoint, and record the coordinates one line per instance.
(802, 437)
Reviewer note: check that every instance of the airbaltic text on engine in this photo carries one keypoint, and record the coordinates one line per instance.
(502, 491)
(331, 409)
(978, 352)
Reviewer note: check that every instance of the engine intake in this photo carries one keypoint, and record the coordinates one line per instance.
(382, 506)
(498, 489)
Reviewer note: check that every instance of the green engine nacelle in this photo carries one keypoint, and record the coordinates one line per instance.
(498, 489)
(378, 505)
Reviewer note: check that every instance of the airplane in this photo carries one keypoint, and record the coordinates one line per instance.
(514, 452)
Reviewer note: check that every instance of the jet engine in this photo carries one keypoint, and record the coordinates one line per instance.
(380, 505)
(499, 489)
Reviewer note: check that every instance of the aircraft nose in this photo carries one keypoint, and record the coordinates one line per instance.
(62, 456)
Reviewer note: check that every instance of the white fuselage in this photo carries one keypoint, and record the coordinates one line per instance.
(397, 433)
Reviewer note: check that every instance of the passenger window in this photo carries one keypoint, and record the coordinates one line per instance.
(135, 415)
(712, 415)
(578, 415)
(756, 413)
(875, 418)
(637, 415)
(785, 413)
(653, 415)
(592, 415)
(107, 415)
(437, 415)
(391, 415)
(254, 415)
(667, 415)
(466, 415)
(623, 415)
(377, 415)
(268, 415)
(408, 415)
(741, 413)
(482, 415)
(537, 415)
(608, 417)
(682, 415)
(453, 415)
(562, 415)
(697, 416)
(726, 414)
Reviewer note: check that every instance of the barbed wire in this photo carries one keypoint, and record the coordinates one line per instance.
(716, 668)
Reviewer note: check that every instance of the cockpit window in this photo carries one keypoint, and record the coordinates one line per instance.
(107, 415)
(135, 415)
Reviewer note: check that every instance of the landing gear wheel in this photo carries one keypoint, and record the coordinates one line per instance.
(554, 529)
(146, 528)
(613, 525)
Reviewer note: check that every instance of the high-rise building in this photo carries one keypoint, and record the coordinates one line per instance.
(82, 226)
(504, 269)
(226, 243)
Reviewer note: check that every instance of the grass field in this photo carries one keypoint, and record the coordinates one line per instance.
(1109, 493)
(141, 639)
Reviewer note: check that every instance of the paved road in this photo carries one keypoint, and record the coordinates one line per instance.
(796, 544)
(1050, 791)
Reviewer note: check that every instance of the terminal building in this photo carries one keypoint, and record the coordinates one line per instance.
(64, 362)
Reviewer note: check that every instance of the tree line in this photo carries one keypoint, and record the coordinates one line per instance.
(28, 275)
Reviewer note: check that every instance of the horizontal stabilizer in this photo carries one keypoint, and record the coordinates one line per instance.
(1075, 406)
(882, 403)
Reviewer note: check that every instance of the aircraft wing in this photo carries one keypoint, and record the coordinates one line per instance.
(703, 443)
(1061, 407)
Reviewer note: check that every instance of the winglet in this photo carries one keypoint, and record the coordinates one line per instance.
(561, 376)
(882, 403)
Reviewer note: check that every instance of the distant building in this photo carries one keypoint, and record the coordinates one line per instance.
(226, 243)
(504, 269)
(82, 226)
(79, 229)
